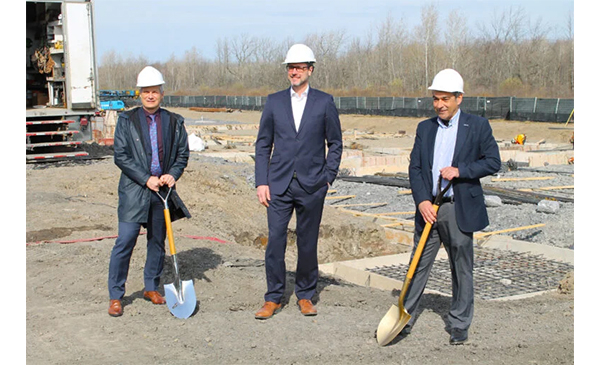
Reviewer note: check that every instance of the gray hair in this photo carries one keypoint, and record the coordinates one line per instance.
(162, 88)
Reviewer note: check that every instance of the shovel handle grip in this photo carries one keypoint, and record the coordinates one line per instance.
(170, 232)
(420, 247)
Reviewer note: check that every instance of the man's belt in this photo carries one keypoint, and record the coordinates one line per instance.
(448, 199)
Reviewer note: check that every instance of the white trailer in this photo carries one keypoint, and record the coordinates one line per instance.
(62, 87)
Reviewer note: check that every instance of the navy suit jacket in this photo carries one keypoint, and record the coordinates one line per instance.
(476, 155)
(281, 151)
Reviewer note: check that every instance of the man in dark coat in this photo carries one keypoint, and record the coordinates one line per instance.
(151, 149)
(461, 149)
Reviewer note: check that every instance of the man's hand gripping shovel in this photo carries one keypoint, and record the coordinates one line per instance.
(397, 317)
(180, 296)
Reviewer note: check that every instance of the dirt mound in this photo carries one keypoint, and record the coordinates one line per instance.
(96, 150)
(222, 199)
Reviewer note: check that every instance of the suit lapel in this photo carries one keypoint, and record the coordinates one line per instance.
(431, 140)
(310, 100)
(166, 133)
(287, 103)
(461, 137)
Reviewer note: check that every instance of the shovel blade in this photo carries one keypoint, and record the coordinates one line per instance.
(392, 324)
(181, 304)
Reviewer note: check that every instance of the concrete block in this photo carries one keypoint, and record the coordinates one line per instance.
(384, 283)
(548, 206)
(492, 201)
(352, 275)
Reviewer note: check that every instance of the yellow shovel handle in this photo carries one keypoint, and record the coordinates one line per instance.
(414, 262)
(170, 232)
(420, 247)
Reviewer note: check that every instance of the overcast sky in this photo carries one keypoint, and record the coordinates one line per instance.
(158, 29)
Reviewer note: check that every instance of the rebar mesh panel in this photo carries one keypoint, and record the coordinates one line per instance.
(496, 273)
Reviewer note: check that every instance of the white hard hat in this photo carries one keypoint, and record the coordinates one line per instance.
(447, 80)
(299, 53)
(149, 76)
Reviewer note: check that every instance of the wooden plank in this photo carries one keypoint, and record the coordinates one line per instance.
(340, 197)
(401, 182)
(395, 213)
(404, 192)
(523, 196)
(523, 178)
(360, 205)
(485, 234)
(362, 214)
(399, 224)
(550, 188)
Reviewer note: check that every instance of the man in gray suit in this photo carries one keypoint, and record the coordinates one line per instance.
(293, 172)
(461, 149)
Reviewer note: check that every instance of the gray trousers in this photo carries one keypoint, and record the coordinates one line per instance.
(459, 246)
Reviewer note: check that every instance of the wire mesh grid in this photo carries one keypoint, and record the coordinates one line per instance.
(496, 273)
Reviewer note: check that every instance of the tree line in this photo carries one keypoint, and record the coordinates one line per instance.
(508, 55)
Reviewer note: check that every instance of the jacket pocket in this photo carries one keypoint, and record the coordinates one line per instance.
(476, 190)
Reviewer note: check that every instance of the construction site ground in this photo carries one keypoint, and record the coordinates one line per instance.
(71, 226)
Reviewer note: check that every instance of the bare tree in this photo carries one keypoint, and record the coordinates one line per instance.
(457, 38)
(427, 32)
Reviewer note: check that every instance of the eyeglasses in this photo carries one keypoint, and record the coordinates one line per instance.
(291, 68)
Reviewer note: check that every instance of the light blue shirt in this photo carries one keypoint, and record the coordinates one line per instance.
(445, 142)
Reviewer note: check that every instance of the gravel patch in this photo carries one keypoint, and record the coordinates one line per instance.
(559, 228)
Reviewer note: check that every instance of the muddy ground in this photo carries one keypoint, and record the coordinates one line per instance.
(71, 227)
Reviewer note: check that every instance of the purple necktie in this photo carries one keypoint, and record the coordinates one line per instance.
(155, 169)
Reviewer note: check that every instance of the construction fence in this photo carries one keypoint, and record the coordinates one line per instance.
(509, 108)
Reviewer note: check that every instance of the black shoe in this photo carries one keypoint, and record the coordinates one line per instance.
(406, 330)
(458, 336)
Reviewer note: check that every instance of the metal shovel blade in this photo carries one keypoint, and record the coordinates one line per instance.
(181, 303)
(391, 324)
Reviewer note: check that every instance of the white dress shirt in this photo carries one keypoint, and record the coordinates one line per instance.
(443, 153)
(298, 104)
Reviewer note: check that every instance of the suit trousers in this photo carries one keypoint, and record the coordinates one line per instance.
(309, 210)
(125, 243)
(459, 247)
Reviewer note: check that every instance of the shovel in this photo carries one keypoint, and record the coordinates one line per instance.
(397, 317)
(180, 296)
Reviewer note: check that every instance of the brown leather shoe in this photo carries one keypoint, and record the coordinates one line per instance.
(115, 309)
(307, 308)
(154, 297)
(267, 310)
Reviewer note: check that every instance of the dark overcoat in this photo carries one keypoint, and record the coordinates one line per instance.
(132, 154)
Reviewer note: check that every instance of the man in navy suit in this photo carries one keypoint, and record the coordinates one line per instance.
(461, 149)
(293, 172)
